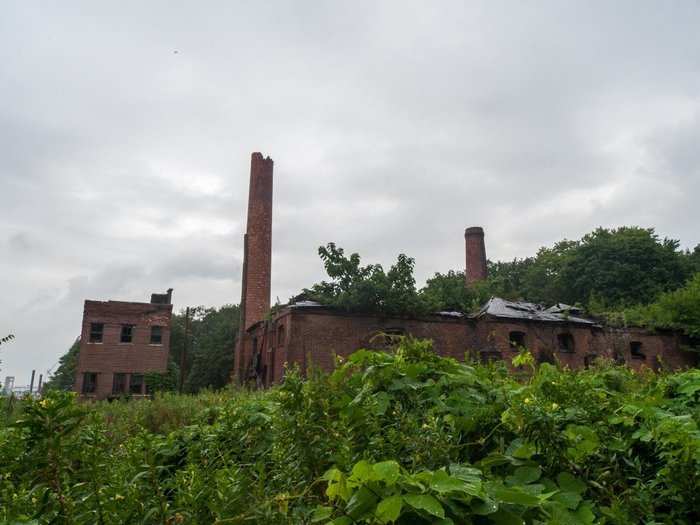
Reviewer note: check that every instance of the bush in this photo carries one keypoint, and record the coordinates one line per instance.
(400, 437)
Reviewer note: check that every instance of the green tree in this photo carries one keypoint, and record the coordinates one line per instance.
(64, 376)
(623, 266)
(678, 310)
(367, 288)
(211, 347)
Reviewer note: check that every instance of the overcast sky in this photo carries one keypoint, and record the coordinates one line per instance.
(126, 130)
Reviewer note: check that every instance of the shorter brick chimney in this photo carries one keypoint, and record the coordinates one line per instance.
(476, 255)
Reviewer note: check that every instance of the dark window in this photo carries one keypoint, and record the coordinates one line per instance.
(136, 384)
(89, 382)
(566, 342)
(156, 335)
(636, 350)
(119, 383)
(516, 340)
(127, 334)
(96, 331)
(280, 335)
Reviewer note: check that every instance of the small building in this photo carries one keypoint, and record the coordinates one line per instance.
(120, 343)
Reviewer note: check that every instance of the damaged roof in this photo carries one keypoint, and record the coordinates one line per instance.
(559, 313)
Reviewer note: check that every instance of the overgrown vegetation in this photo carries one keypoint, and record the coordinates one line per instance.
(628, 275)
(403, 437)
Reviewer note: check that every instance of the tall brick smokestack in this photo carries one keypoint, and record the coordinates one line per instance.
(476, 254)
(257, 257)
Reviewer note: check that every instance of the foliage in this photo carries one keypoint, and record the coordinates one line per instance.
(367, 288)
(64, 376)
(402, 437)
(679, 310)
(605, 269)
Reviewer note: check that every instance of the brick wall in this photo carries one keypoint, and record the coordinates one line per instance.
(111, 356)
(315, 336)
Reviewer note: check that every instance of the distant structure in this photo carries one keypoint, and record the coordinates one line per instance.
(8, 385)
(310, 334)
(476, 255)
(120, 343)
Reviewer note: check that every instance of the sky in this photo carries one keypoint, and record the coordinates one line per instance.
(126, 130)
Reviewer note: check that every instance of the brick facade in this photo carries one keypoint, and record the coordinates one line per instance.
(111, 356)
(312, 337)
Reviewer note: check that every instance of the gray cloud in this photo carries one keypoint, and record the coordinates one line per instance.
(124, 165)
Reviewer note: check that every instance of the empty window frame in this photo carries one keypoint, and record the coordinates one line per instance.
(156, 335)
(636, 350)
(127, 333)
(119, 383)
(89, 383)
(280, 335)
(96, 332)
(516, 340)
(136, 384)
(566, 342)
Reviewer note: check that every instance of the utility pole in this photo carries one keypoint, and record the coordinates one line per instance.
(38, 388)
(31, 383)
(183, 355)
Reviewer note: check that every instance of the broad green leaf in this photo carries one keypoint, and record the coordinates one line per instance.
(425, 502)
(525, 475)
(389, 509)
(521, 449)
(514, 495)
(387, 471)
(442, 482)
(569, 483)
(569, 499)
(362, 471)
(321, 513)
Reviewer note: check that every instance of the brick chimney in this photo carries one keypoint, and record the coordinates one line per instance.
(476, 254)
(257, 256)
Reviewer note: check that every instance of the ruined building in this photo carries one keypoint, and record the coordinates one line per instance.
(120, 343)
(310, 334)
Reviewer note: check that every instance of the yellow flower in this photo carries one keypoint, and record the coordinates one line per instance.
(555, 406)
(527, 400)
(118, 497)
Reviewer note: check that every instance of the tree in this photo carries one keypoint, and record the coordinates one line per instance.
(368, 289)
(678, 310)
(211, 347)
(64, 376)
(621, 267)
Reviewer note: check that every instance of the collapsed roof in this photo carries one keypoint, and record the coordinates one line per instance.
(559, 313)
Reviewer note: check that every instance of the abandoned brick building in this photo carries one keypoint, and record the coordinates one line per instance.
(310, 334)
(120, 343)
